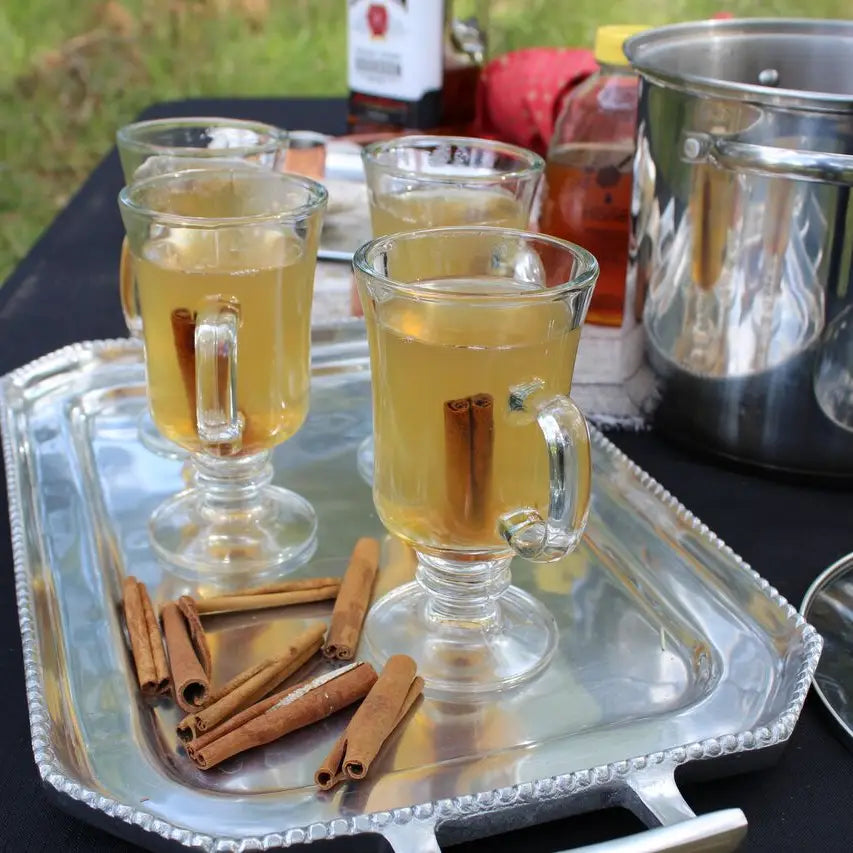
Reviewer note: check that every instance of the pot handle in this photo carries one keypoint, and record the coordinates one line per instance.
(767, 160)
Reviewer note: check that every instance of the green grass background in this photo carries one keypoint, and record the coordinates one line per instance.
(72, 71)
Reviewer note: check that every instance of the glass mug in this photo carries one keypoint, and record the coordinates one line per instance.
(480, 454)
(159, 146)
(306, 154)
(224, 262)
(833, 377)
(435, 181)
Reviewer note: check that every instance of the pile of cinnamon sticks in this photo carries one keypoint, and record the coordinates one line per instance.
(254, 708)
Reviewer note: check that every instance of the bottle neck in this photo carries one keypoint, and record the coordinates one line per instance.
(467, 39)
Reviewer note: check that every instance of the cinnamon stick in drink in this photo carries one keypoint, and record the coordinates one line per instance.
(314, 701)
(388, 702)
(353, 600)
(146, 642)
(183, 334)
(482, 452)
(189, 656)
(457, 454)
(323, 589)
(252, 684)
(469, 437)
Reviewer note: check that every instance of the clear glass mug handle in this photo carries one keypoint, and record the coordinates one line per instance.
(127, 292)
(566, 436)
(218, 419)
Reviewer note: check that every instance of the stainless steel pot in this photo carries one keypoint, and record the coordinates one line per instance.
(743, 236)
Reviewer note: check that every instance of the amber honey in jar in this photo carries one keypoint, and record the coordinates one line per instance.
(589, 171)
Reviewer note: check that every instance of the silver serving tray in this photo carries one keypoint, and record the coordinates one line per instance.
(672, 652)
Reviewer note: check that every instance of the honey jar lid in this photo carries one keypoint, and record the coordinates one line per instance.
(609, 40)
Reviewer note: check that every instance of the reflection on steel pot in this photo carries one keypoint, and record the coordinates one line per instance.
(743, 235)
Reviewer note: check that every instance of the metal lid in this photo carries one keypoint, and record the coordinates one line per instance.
(826, 606)
(794, 63)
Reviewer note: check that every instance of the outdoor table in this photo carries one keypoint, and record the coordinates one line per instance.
(66, 290)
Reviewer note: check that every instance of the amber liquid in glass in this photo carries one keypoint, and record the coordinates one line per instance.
(450, 456)
(441, 206)
(268, 277)
(588, 201)
(438, 207)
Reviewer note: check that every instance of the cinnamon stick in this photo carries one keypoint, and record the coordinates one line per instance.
(260, 601)
(469, 435)
(238, 720)
(482, 452)
(388, 702)
(197, 636)
(353, 599)
(161, 665)
(457, 450)
(183, 334)
(189, 660)
(288, 586)
(252, 684)
(146, 643)
(302, 706)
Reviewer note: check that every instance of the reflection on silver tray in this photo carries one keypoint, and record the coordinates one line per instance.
(828, 603)
(672, 650)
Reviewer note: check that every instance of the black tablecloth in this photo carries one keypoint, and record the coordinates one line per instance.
(65, 290)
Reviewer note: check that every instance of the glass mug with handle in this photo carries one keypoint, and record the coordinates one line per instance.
(160, 146)
(435, 181)
(224, 262)
(480, 455)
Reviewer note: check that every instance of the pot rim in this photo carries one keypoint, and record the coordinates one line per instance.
(799, 99)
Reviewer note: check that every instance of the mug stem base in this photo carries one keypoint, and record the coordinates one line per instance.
(470, 632)
(233, 522)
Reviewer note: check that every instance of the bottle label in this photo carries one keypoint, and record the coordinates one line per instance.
(395, 47)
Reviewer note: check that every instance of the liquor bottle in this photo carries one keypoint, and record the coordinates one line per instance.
(411, 66)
